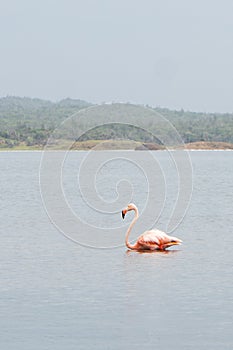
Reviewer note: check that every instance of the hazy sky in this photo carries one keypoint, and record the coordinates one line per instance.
(168, 53)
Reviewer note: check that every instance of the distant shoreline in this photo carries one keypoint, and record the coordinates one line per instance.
(121, 145)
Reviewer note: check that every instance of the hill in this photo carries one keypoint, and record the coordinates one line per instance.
(28, 122)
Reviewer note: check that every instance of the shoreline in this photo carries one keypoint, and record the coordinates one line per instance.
(113, 150)
(118, 145)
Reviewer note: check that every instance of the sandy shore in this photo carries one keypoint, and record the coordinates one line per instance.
(120, 145)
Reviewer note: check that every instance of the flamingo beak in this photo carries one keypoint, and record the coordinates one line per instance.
(123, 213)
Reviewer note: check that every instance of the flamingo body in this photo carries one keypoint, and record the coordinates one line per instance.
(155, 240)
(149, 240)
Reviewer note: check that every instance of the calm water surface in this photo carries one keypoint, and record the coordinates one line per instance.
(57, 295)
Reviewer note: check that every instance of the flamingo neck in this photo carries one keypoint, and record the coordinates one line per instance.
(130, 246)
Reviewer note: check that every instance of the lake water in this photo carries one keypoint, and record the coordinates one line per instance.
(56, 294)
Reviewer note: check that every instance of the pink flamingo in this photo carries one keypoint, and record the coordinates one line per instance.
(149, 240)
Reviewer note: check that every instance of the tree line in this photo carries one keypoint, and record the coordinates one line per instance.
(30, 122)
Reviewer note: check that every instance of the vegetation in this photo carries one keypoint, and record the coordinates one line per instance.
(26, 123)
(208, 127)
(29, 122)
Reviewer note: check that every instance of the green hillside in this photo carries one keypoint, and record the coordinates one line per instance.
(27, 122)
(30, 121)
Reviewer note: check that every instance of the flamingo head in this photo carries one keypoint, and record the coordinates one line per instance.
(130, 206)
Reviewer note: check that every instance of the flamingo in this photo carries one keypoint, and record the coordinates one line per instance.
(149, 240)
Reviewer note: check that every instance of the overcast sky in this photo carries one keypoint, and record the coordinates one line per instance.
(168, 53)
